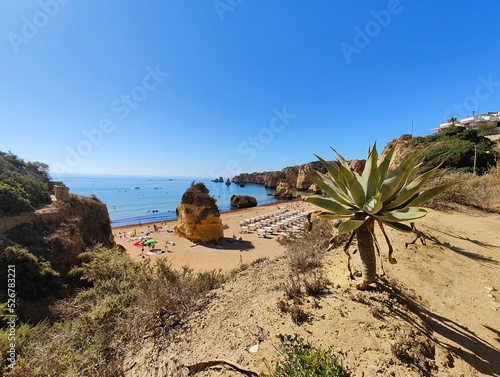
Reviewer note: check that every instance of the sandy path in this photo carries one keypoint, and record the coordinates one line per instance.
(207, 256)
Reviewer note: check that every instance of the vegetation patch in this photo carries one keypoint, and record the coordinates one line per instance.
(301, 359)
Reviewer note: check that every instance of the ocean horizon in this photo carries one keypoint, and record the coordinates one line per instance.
(133, 199)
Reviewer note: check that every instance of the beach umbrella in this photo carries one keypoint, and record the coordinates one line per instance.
(150, 242)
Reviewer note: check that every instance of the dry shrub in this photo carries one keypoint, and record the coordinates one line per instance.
(305, 255)
(293, 287)
(315, 283)
(296, 311)
(479, 192)
(123, 303)
(415, 350)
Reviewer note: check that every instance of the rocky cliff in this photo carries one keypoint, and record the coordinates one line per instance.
(51, 239)
(293, 177)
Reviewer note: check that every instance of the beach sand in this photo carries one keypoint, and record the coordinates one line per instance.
(209, 256)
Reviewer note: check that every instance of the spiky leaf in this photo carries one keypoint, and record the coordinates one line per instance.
(331, 205)
(350, 225)
(371, 174)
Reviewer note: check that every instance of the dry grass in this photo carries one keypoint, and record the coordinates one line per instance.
(305, 255)
(473, 191)
(124, 303)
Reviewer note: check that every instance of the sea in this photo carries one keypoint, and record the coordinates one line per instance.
(134, 199)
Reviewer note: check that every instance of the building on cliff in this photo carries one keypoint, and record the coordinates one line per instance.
(485, 119)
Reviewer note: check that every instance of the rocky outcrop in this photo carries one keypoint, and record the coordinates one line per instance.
(314, 188)
(198, 216)
(304, 174)
(56, 235)
(297, 177)
(243, 201)
(267, 179)
(284, 191)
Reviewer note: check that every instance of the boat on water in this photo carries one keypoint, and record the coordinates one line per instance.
(242, 185)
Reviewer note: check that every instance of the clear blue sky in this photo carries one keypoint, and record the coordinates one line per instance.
(208, 88)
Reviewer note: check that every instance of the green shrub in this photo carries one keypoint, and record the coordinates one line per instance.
(304, 360)
(24, 185)
(123, 303)
(455, 147)
(13, 200)
(24, 337)
(35, 277)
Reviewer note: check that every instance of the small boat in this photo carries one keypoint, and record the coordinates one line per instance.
(242, 185)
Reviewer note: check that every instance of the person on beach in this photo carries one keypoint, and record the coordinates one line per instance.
(166, 247)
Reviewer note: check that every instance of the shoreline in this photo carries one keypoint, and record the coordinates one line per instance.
(279, 203)
(226, 254)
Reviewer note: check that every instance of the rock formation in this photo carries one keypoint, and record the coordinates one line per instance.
(243, 201)
(304, 174)
(198, 216)
(297, 177)
(54, 235)
(283, 191)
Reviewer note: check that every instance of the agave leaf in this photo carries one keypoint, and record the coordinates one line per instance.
(332, 215)
(350, 225)
(332, 169)
(370, 176)
(341, 160)
(331, 205)
(409, 191)
(398, 226)
(355, 188)
(397, 178)
(402, 205)
(385, 164)
(429, 194)
(373, 204)
(405, 214)
(340, 186)
(333, 191)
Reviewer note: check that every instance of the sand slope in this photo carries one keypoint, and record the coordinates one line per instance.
(435, 313)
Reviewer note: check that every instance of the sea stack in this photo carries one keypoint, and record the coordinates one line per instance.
(243, 201)
(198, 216)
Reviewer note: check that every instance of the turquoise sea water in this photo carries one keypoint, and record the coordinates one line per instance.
(134, 199)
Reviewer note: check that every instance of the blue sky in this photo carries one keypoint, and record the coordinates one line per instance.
(209, 88)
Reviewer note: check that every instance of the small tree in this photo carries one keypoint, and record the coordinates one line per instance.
(377, 195)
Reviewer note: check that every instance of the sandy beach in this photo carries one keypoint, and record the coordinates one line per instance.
(226, 254)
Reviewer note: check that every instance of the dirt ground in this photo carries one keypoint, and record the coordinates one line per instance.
(434, 313)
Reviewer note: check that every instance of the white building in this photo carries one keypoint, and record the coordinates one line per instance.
(485, 119)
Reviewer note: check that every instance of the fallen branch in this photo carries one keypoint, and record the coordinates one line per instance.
(198, 367)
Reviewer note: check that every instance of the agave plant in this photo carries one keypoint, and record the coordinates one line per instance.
(378, 195)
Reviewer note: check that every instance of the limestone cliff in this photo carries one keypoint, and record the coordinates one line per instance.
(52, 236)
(198, 216)
(296, 177)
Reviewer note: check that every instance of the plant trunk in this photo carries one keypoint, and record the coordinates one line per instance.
(366, 249)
